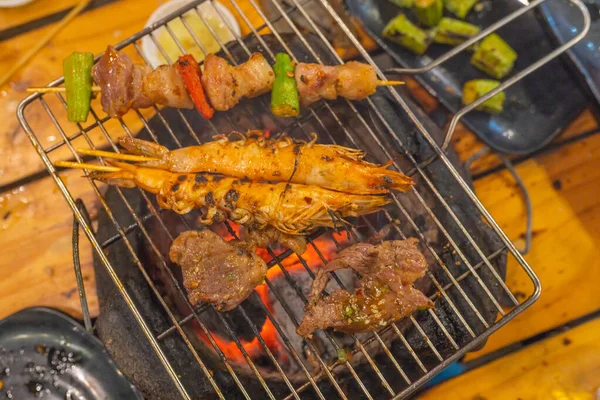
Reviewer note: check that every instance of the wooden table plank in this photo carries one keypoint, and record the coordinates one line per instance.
(565, 191)
(36, 264)
(562, 367)
(11, 17)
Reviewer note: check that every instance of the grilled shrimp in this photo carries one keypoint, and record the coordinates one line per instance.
(291, 208)
(284, 160)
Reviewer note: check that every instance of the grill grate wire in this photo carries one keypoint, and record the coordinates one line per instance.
(328, 371)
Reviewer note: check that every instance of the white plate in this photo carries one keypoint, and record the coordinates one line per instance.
(13, 3)
(217, 15)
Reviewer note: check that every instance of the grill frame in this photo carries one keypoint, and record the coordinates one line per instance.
(328, 370)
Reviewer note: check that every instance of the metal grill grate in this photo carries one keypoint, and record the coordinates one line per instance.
(395, 382)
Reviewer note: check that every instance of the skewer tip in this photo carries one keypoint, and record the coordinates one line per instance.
(390, 83)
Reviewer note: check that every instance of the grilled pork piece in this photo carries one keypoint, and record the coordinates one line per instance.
(385, 294)
(216, 271)
(356, 81)
(165, 86)
(316, 82)
(114, 73)
(353, 80)
(225, 273)
(225, 85)
(125, 86)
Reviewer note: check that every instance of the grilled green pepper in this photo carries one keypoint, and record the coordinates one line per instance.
(494, 56)
(429, 12)
(406, 34)
(460, 8)
(475, 89)
(454, 32)
(285, 101)
(78, 85)
(403, 3)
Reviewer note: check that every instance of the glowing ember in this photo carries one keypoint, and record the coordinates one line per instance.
(312, 259)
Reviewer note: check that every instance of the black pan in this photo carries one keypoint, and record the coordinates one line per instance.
(45, 354)
(537, 108)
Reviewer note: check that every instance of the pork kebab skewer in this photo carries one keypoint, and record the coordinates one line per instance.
(219, 86)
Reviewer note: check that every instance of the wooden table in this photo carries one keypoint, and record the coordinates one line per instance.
(563, 181)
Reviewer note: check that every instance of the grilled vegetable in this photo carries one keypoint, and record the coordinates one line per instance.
(403, 3)
(494, 56)
(406, 34)
(429, 12)
(190, 72)
(454, 32)
(475, 89)
(78, 84)
(460, 8)
(285, 101)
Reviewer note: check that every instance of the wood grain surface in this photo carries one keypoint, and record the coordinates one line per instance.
(564, 367)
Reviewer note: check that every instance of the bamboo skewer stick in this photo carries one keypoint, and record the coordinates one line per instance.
(91, 167)
(390, 83)
(96, 89)
(58, 89)
(116, 156)
(36, 48)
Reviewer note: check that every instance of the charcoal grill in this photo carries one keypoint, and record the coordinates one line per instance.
(461, 257)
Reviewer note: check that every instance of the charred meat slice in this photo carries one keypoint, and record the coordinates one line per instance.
(216, 271)
(225, 272)
(385, 294)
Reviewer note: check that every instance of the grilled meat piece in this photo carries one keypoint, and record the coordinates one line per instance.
(385, 294)
(225, 273)
(125, 86)
(353, 80)
(114, 73)
(356, 81)
(216, 271)
(226, 85)
(316, 82)
(140, 100)
(165, 86)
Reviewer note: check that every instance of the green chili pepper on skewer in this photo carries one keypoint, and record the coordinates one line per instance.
(477, 88)
(285, 101)
(78, 85)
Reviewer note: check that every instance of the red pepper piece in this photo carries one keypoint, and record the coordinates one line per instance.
(190, 71)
